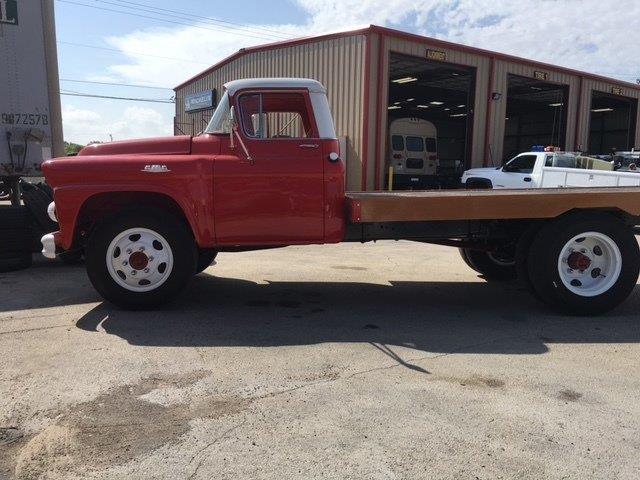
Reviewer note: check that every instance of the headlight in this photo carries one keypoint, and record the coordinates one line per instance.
(51, 210)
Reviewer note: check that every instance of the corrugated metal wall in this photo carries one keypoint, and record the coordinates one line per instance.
(584, 114)
(497, 120)
(337, 63)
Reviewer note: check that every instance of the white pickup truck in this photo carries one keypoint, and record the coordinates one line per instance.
(550, 170)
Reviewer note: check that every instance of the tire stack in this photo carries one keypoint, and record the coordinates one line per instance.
(21, 228)
(16, 238)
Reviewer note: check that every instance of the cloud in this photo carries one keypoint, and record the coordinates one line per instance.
(73, 115)
(83, 125)
(590, 35)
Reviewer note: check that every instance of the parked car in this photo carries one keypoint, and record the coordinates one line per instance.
(550, 170)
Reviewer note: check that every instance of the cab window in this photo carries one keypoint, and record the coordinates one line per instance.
(521, 164)
(415, 144)
(272, 115)
(397, 142)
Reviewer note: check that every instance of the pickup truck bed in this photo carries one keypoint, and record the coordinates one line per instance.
(438, 205)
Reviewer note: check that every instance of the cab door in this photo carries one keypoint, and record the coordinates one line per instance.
(517, 172)
(269, 190)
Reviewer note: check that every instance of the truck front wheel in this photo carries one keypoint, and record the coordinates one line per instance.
(493, 265)
(140, 260)
(584, 264)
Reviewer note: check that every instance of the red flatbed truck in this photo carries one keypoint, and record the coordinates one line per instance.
(149, 214)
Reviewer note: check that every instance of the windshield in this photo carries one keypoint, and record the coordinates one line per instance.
(219, 122)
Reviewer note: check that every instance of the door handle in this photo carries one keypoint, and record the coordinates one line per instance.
(527, 179)
(309, 145)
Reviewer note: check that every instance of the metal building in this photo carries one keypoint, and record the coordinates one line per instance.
(485, 106)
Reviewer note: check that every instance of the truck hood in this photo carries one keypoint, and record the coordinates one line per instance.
(481, 172)
(179, 145)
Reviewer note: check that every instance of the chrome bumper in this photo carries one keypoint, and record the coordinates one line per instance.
(48, 245)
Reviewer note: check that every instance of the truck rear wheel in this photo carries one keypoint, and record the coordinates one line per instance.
(584, 264)
(496, 265)
(140, 260)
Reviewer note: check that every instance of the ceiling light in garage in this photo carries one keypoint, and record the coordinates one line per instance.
(556, 104)
(422, 106)
(393, 107)
(436, 103)
(447, 109)
(460, 106)
(404, 80)
(458, 115)
(410, 99)
(599, 110)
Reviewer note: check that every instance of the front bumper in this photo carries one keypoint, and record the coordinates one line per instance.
(49, 245)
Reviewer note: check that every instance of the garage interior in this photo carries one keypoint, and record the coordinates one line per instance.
(441, 93)
(613, 123)
(536, 114)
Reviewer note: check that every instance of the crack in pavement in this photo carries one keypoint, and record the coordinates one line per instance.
(210, 444)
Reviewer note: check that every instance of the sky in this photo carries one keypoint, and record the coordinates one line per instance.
(161, 43)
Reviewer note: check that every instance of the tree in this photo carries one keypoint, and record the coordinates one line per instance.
(72, 148)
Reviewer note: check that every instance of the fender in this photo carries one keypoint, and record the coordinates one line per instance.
(71, 199)
(185, 180)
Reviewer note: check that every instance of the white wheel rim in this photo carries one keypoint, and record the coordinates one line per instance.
(139, 259)
(590, 264)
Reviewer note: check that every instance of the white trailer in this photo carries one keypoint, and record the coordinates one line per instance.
(30, 122)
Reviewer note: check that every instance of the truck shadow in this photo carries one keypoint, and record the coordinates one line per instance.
(431, 316)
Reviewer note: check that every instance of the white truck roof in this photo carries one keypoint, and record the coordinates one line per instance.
(307, 83)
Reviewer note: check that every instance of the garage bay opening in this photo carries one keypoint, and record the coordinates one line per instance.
(430, 118)
(536, 115)
(613, 123)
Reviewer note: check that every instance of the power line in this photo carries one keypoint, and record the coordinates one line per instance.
(135, 53)
(202, 27)
(132, 99)
(114, 83)
(245, 27)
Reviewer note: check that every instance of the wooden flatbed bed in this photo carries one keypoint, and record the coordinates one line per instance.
(438, 205)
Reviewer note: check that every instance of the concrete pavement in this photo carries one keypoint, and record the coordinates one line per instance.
(386, 361)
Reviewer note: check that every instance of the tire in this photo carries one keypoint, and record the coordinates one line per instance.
(37, 200)
(12, 218)
(523, 245)
(205, 259)
(465, 258)
(175, 249)
(478, 184)
(15, 261)
(494, 266)
(18, 240)
(568, 245)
